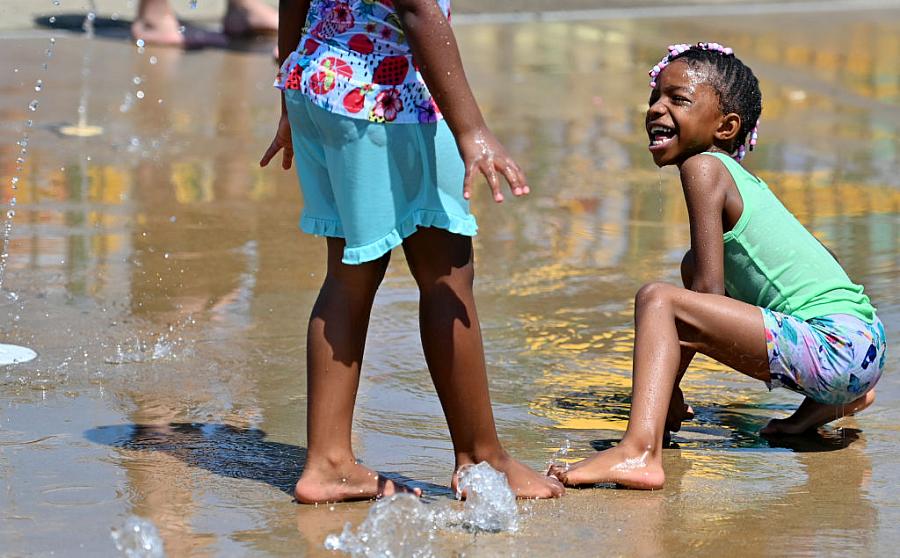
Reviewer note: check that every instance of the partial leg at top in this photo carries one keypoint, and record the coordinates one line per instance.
(249, 17)
(669, 319)
(443, 267)
(335, 343)
(679, 411)
(157, 24)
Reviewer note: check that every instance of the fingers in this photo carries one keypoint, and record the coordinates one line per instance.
(515, 177)
(467, 182)
(287, 157)
(489, 172)
(270, 152)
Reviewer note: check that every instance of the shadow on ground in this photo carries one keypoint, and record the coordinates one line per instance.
(223, 449)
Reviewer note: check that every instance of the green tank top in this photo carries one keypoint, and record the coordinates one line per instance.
(772, 261)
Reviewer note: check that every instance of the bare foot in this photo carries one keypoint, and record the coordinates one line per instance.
(523, 480)
(811, 415)
(344, 484)
(168, 31)
(249, 17)
(621, 465)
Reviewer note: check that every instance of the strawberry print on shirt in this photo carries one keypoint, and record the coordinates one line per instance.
(353, 59)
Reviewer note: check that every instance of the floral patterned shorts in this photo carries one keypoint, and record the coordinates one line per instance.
(832, 359)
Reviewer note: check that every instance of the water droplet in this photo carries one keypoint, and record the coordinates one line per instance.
(11, 213)
(52, 40)
(33, 105)
(52, 19)
(56, 2)
(38, 85)
(139, 43)
(139, 94)
(181, 29)
(29, 123)
(153, 60)
(136, 80)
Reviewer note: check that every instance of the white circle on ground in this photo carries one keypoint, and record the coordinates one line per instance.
(13, 354)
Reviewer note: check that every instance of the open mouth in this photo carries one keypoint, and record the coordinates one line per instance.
(660, 135)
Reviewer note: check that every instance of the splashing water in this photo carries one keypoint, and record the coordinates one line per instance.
(490, 502)
(138, 538)
(560, 456)
(402, 526)
(398, 526)
(169, 345)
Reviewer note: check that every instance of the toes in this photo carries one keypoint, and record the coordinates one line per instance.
(557, 472)
(556, 487)
(387, 487)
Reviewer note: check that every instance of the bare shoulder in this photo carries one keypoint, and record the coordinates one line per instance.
(705, 174)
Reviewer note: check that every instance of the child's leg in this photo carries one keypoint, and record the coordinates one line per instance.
(442, 265)
(335, 343)
(679, 411)
(667, 319)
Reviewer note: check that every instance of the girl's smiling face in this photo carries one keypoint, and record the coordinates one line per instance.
(684, 117)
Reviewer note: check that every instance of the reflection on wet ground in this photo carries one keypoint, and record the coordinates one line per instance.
(160, 276)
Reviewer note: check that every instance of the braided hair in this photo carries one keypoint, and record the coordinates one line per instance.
(734, 82)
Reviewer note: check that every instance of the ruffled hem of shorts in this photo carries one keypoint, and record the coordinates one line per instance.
(355, 255)
(321, 227)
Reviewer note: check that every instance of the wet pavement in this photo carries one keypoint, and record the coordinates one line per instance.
(160, 276)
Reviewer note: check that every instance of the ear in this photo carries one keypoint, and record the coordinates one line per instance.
(728, 128)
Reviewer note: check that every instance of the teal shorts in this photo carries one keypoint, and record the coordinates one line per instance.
(374, 184)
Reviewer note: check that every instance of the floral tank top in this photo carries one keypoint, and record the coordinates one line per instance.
(353, 59)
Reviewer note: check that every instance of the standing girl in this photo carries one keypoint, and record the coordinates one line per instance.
(761, 294)
(388, 140)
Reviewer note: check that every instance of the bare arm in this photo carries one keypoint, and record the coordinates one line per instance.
(435, 50)
(704, 180)
(291, 18)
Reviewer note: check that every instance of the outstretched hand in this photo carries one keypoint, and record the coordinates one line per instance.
(282, 142)
(482, 152)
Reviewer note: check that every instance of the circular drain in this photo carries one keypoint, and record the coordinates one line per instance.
(13, 354)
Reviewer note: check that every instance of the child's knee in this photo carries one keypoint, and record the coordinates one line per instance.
(653, 295)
